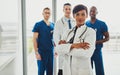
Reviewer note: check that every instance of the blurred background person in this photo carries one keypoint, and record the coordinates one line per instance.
(102, 35)
(63, 24)
(43, 43)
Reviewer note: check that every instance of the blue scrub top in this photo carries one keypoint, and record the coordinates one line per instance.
(100, 27)
(45, 37)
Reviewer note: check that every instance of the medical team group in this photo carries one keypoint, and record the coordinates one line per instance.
(76, 43)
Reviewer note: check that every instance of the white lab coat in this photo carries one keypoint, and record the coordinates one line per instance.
(60, 27)
(77, 61)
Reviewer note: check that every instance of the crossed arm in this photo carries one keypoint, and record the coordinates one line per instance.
(83, 45)
(82, 49)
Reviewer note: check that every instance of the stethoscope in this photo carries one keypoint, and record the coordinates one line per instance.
(80, 37)
(73, 29)
(62, 21)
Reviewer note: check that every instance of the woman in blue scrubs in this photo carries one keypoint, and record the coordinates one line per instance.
(43, 44)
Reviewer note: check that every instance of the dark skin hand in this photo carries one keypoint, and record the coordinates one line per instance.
(106, 34)
(62, 42)
(83, 45)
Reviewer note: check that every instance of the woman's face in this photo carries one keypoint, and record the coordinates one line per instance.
(80, 17)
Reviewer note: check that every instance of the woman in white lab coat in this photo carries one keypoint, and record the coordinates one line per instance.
(77, 45)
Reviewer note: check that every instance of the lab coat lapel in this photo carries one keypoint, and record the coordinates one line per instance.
(70, 34)
(79, 31)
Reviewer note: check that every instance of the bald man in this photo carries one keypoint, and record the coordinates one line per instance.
(102, 35)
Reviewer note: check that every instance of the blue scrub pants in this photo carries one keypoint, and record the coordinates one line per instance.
(46, 64)
(97, 59)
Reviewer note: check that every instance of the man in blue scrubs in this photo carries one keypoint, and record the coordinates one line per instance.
(102, 35)
(43, 43)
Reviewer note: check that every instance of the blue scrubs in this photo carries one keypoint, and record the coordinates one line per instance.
(45, 47)
(100, 27)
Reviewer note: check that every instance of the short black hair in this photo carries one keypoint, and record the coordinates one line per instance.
(46, 8)
(93, 7)
(67, 4)
(79, 8)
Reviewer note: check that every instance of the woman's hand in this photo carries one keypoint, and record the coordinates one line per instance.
(84, 45)
(62, 42)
